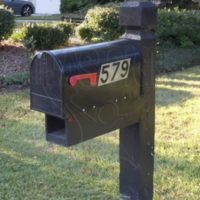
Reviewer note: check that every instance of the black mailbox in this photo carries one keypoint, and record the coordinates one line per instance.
(86, 91)
(90, 90)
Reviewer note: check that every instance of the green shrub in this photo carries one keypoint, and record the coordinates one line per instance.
(84, 32)
(47, 36)
(7, 23)
(180, 27)
(102, 22)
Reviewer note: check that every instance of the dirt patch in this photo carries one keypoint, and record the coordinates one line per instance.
(13, 58)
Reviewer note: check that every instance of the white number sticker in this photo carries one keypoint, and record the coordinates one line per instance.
(115, 71)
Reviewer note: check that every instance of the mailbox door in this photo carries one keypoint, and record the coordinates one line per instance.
(46, 85)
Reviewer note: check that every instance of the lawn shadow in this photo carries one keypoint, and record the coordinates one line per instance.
(166, 97)
(87, 167)
(191, 74)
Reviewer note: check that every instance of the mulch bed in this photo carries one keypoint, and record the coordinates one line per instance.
(13, 58)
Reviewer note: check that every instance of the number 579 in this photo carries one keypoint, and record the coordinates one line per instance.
(115, 71)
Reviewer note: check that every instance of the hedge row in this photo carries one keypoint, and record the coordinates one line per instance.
(75, 5)
(179, 27)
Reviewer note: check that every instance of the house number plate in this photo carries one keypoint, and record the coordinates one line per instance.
(113, 72)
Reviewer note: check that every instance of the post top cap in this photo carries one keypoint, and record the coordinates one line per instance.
(138, 15)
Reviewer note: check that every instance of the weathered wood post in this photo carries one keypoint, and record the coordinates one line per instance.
(137, 140)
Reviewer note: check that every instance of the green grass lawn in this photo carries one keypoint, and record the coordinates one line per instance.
(33, 169)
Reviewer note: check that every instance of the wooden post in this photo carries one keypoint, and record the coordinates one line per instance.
(137, 140)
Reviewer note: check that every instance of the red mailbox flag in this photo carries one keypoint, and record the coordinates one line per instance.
(92, 77)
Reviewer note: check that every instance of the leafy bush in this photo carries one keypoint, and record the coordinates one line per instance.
(102, 22)
(180, 27)
(46, 36)
(7, 23)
